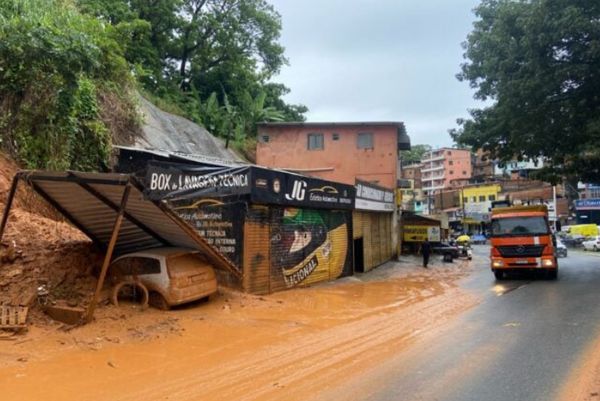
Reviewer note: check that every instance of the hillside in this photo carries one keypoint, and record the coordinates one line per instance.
(165, 131)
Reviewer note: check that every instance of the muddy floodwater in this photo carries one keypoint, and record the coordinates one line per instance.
(293, 345)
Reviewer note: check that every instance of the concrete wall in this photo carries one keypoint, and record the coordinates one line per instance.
(340, 160)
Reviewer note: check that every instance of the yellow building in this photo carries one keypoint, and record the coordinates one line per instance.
(476, 202)
(479, 194)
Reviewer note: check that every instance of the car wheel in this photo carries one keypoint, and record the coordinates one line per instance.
(158, 301)
(498, 274)
(133, 286)
(552, 274)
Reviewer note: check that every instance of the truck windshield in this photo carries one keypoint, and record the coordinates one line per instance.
(514, 226)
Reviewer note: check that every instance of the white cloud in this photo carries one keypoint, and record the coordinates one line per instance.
(392, 60)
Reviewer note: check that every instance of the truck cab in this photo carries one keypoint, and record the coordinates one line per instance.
(521, 239)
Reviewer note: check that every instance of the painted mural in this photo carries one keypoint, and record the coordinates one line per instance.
(308, 246)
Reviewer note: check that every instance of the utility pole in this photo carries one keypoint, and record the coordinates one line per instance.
(555, 206)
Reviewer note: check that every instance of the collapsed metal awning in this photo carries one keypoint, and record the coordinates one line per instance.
(112, 211)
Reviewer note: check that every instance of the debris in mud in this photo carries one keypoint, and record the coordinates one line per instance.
(64, 313)
(13, 317)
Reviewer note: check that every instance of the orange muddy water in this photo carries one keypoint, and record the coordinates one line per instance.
(292, 345)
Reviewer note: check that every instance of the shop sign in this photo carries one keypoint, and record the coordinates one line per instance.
(171, 181)
(296, 190)
(221, 225)
(179, 181)
(370, 197)
(587, 204)
(420, 233)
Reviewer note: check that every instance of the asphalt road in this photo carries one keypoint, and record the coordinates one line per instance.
(520, 343)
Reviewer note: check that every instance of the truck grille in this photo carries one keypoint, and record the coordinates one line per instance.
(516, 251)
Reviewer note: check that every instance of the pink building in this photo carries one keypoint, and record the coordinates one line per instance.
(445, 168)
(341, 152)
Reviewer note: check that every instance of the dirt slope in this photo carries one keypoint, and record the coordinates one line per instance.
(39, 248)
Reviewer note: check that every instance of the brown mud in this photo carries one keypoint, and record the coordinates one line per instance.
(291, 345)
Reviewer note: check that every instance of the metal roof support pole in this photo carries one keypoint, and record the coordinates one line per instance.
(109, 252)
(8, 206)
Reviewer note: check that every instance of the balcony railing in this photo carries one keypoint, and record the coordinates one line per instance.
(433, 177)
(433, 157)
(434, 187)
(426, 169)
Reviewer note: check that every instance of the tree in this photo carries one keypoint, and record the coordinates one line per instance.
(538, 64)
(57, 67)
(415, 154)
(186, 50)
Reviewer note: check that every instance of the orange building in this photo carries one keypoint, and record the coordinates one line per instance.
(445, 168)
(342, 152)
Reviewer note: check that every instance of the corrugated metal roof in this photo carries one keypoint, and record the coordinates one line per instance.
(91, 202)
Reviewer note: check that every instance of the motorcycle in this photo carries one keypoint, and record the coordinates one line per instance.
(465, 250)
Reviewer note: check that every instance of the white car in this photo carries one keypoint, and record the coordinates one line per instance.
(592, 244)
(172, 276)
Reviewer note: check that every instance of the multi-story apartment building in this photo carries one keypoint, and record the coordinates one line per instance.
(445, 168)
(483, 167)
(413, 172)
(516, 170)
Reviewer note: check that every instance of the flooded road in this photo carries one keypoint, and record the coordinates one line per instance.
(529, 339)
(294, 345)
(398, 333)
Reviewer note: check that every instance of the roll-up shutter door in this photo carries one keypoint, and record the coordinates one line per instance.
(256, 251)
(357, 224)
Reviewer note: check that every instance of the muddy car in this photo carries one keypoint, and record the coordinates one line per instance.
(172, 276)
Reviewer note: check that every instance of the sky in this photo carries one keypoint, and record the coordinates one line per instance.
(379, 60)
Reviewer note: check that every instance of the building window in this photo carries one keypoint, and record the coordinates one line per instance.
(491, 197)
(451, 172)
(449, 153)
(450, 162)
(464, 173)
(264, 138)
(473, 199)
(481, 198)
(315, 141)
(365, 140)
(335, 136)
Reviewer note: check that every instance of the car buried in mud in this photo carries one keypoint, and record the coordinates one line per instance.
(171, 276)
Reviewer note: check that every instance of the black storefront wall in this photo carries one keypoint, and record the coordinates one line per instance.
(175, 182)
(304, 236)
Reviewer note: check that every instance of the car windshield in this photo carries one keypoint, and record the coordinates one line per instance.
(514, 226)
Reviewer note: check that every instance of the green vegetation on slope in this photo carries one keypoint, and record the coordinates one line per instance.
(57, 68)
(210, 60)
(68, 70)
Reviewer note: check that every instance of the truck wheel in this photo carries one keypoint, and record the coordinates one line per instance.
(158, 301)
(498, 274)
